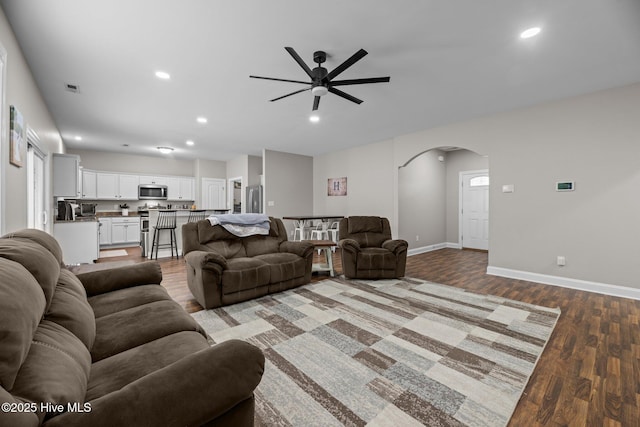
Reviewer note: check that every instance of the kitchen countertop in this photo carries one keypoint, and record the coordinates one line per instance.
(78, 219)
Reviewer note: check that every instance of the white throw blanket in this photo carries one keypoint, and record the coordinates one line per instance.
(243, 225)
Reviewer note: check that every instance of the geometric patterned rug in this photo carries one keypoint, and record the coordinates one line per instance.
(387, 353)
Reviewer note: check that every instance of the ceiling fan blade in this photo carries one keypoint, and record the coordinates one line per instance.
(360, 81)
(299, 60)
(344, 95)
(346, 64)
(280, 80)
(316, 103)
(289, 94)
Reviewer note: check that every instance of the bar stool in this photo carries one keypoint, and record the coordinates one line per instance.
(196, 215)
(166, 221)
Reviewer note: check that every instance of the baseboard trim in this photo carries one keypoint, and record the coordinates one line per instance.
(566, 282)
(435, 247)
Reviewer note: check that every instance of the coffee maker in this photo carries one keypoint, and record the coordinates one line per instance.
(67, 210)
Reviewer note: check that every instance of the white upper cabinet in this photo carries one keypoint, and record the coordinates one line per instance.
(154, 180)
(114, 186)
(66, 173)
(129, 187)
(180, 188)
(89, 185)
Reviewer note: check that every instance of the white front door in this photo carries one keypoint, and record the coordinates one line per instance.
(475, 209)
(213, 193)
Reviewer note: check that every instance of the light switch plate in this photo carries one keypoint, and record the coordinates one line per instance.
(508, 188)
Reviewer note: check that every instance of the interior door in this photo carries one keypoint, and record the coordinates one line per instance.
(475, 210)
(213, 193)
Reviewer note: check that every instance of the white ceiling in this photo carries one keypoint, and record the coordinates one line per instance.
(448, 60)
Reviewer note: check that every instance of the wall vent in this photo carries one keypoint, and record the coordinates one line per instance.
(72, 87)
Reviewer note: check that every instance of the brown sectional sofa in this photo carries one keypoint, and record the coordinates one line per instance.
(224, 269)
(109, 348)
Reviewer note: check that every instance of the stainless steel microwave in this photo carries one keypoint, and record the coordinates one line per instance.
(152, 192)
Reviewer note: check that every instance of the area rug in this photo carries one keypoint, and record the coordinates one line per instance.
(113, 253)
(387, 353)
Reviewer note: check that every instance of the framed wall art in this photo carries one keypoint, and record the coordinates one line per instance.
(337, 186)
(16, 138)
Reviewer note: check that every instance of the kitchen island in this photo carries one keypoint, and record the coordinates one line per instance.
(78, 240)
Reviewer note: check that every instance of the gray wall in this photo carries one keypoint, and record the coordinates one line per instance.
(133, 163)
(422, 200)
(592, 139)
(21, 91)
(371, 185)
(288, 183)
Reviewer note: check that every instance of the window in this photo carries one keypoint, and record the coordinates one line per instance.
(479, 181)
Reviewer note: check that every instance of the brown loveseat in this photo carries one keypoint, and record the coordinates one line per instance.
(368, 252)
(224, 269)
(109, 348)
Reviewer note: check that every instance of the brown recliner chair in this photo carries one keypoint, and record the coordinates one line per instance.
(368, 252)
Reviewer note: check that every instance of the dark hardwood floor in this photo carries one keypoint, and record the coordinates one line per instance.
(589, 374)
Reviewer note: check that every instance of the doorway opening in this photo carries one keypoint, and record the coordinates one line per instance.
(37, 212)
(430, 199)
(235, 195)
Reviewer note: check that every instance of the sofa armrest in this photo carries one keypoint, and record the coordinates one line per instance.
(191, 391)
(349, 245)
(302, 249)
(395, 246)
(206, 260)
(111, 279)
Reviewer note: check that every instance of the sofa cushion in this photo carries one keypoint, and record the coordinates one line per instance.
(365, 224)
(259, 245)
(117, 371)
(45, 240)
(22, 304)
(244, 273)
(376, 259)
(138, 325)
(283, 266)
(36, 259)
(123, 299)
(70, 308)
(56, 369)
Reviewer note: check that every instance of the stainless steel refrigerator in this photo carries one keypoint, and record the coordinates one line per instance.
(254, 199)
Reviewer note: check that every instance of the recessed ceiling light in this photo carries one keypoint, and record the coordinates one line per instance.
(201, 119)
(189, 142)
(165, 150)
(314, 118)
(163, 75)
(78, 138)
(531, 32)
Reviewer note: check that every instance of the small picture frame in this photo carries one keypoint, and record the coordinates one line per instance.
(337, 186)
(16, 138)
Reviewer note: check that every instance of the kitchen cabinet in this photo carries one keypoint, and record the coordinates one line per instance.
(105, 231)
(78, 240)
(154, 180)
(180, 188)
(115, 186)
(89, 185)
(66, 173)
(125, 230)
(129, 186)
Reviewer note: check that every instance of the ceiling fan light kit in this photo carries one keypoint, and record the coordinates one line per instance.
(322, 81)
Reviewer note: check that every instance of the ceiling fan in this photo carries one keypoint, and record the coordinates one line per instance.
(322, 81)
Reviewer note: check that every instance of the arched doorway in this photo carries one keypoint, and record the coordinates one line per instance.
(430, 197)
